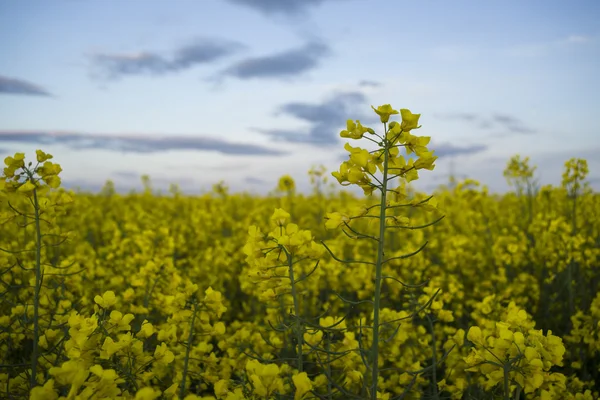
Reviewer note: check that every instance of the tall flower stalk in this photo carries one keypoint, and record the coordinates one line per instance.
(360, 170)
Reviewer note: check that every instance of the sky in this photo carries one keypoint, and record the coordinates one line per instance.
(193, 92)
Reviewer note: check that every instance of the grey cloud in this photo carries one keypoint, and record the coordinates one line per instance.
(202, 51)
(507, 123)
(255, 181)
(18, 86)
(447, 149)
(505, 119)
(458, 116)
(280, 65)
(136, 143)
(368, 83)
(512, 123)
(83, 185)
(287, 7)
(327, 119)
(126, 174)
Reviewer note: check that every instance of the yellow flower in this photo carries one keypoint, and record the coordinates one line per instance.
(219, 328)
(475, 335)
(426, 160)
(303, 385)
(120, 321)
(409, 120)
(336, 219)
(147, 393)
(109, 348)
(26, 188)
(355, 130)
(280, 216)
(45, 392)
(221, 388)
(41, 156)
(71, 373)
(384, 112)
(286, 183)
(163, 355)
(146, 330)
(17, 161)
(107, 300)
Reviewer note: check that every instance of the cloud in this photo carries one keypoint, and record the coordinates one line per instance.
(136, 143)
(201, 51)
(512, 124)
(547, 48)
(458, 116)
(503, 121)
(255, 181)
(286, 7)
(18, 86)
(282, 65)
(577, 39)
(368, 83)
(325, 119)
(83, 185)
(447, 149)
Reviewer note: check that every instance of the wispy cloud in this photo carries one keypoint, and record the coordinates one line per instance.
(326, 119)
(255, 181)
(282, 65)
(547, 48)
(18, 86)
(201, 51)
(368, 83)
(512, 124)
(136, 143)
(287, 7)
(577, 39)
(447, 149)
(507, 123)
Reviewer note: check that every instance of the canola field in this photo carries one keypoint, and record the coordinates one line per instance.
(391, 294)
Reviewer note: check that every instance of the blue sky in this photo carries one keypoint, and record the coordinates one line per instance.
(193, 92)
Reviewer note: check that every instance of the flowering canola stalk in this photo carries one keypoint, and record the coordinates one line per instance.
(360, 170)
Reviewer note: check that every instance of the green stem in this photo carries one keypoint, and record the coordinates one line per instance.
(433, 360)
(378, 267)
(187, 351)
(36, 293)
(506, 386)
(291, 205)
(329, 386)
(297, 329)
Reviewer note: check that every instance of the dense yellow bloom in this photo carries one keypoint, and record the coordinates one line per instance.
(137, 293)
